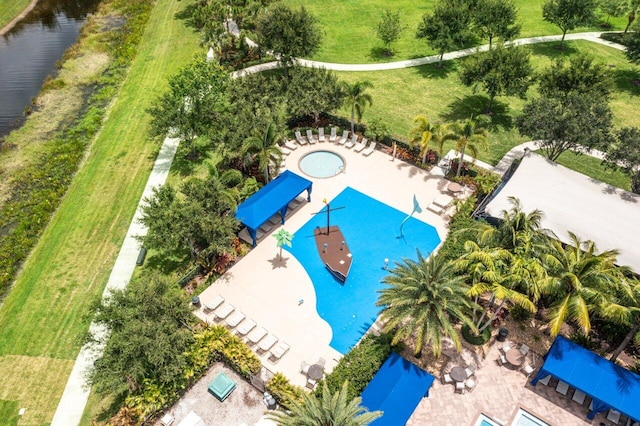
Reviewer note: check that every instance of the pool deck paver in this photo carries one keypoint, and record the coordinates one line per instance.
(500, 391)
(268, 290)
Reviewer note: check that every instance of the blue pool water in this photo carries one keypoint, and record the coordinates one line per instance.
(321, 164)
(372, 231)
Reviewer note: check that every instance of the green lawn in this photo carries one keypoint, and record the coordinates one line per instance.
(592, 167)
(400, 95)
(9, 9)
(45, 314)
(349, 27)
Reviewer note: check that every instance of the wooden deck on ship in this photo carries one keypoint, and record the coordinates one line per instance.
(337, 256)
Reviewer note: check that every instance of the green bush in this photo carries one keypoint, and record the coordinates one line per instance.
(359, 365)
(518, 313)
(453, 246)
(474, 339)
(283, 391)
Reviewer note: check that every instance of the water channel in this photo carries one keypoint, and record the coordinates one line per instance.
(30, 50)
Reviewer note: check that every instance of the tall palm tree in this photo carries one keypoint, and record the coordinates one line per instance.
(578, 279)
(263, 148)
(424, 133)
(356, 99)
(469, 134)
(328, 410)
(425, 299)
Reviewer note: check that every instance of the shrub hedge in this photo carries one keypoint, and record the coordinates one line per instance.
(359, 365)
(283, 391)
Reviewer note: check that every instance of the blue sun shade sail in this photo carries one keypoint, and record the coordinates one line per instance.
(273, 198)
(610, 385)
(396, 390)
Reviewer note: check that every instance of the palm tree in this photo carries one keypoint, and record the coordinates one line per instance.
(356, 99)
(284, 238)
(578, 279)
(328, 410)
(262, 149)
(425, 299)
(491, 272)
(624, 308)
(468, 134)
(424, 133)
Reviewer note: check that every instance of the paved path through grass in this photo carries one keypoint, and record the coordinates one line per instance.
(591, 36)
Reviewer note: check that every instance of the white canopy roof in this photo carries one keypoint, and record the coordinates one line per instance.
(574, 202)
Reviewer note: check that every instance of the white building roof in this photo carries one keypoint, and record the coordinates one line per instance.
(574, 202)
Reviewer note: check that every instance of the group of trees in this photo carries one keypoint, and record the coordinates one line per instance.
(514, 263)
(454, 24)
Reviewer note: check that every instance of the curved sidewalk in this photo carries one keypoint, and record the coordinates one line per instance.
(593, 37)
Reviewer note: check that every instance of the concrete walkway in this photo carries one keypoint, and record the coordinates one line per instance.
(76, 394)
(588, 36)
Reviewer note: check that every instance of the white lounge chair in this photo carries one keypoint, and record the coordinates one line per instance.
(362, 145)
(256, 335)
(372, 147)
(321, 136)
(266, 227)
(343, 138)
(442, 201)
(289, 145)
(213, 304)
(435, 208)
(446, 378)
(301, 140)
(223, 311)
(266, 343)
(234, 319)
(352, 142)
(562, 387)
(334, 134)
(579, 396)
(528, 369)
(614, 416)
(545, 380)
(245, 327)
(310, 137)
(280, 349)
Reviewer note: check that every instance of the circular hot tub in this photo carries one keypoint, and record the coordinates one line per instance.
(321, 164)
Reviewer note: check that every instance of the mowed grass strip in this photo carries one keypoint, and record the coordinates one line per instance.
(30, 383)
(350, 37)
(45, 315)
(9, 9)
(400, 95)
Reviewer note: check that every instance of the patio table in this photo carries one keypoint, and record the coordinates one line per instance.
(454, 187)
(458, 374)
(315, 372)
(515, 357)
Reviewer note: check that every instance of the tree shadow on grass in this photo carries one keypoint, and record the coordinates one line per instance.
(465, 107)
(186, 15)
(380, 54)
(167, 263)
(553, 50)
(438, 70)
(187, 160)
(627, 80)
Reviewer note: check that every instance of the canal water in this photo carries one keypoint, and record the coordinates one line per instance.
(30, 50)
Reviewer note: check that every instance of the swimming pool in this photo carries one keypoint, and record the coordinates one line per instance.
(371, 229)
(484, 420)
(321, 164)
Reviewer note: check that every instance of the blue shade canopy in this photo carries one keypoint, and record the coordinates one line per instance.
(610, 385)
(273, 198)
(396, 390)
